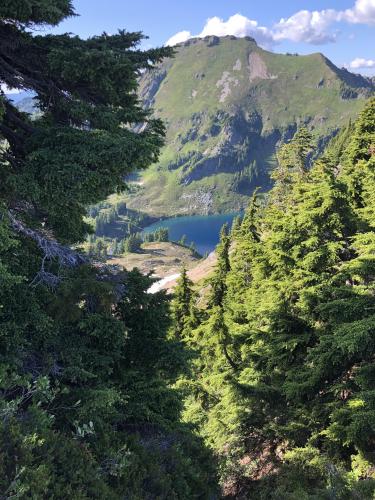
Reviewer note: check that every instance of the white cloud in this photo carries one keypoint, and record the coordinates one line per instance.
(360, 62)
(304, 26)
(179, 37)
(313, 26)
(236, 25)
(363, 12)
(239, 26)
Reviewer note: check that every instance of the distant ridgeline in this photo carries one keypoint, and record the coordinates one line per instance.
(228, 105)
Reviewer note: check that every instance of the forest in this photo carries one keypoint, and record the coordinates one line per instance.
(259, 384)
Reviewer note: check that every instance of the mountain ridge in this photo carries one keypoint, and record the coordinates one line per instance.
(228, 104)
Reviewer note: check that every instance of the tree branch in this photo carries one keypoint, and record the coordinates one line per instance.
(50, 247)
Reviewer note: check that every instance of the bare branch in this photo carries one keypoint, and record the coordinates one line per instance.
(51, 248)
(66, 257)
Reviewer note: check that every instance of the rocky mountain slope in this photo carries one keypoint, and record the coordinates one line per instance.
(227, 105)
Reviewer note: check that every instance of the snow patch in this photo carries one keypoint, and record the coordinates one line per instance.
(158, 285)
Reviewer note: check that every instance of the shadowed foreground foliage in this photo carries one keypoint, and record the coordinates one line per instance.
(103, 386)
(86, 368)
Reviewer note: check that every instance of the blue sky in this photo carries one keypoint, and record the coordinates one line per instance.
(344, 30)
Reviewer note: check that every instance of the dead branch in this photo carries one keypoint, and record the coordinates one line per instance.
(51, 249)
(66, 257)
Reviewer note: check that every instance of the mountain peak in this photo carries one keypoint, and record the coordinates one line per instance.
(211, 40)
(228, 105)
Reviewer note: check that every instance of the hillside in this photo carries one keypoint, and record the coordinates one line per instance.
(255, 378)
(227, 105)
(159, 258)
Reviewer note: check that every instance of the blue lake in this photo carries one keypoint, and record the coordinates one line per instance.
(202, 230)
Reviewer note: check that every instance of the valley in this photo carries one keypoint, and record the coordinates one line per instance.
(227, 105)
(187, 252)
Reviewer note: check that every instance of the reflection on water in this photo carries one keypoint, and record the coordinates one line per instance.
(202, 230)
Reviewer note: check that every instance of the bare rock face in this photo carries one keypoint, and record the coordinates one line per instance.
(212, 40)
(199, 201)
(226, 83)
(258, 68)
(149, 90)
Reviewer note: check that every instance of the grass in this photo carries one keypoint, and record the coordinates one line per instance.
(160, 258)
(307, 90)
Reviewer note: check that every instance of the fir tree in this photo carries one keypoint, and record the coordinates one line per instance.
(182, 307)
(293, 304)
(218, 281)
(86, 366)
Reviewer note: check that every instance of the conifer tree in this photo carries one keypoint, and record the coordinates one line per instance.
(183, 306)
(342, 368)
(298, 311)
(292, 160)
(218, 281)
(213, 403)
(86, 409)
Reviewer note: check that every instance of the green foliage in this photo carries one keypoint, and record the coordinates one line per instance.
(221, 144)
(218, 281)
(283, 388)
(30, 12)
(105, 386)
(87, 408)
(132, 243)
(183, 310)
(161, 235)
(79, 149)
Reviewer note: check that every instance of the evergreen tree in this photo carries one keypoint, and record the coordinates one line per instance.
(212, 403)
(294, 415)
(86, 410)
(132, 243)
(162, 234)
(182, 306)
(293, 162)
(218, 281)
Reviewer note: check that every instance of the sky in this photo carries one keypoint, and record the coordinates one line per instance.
(343, 30)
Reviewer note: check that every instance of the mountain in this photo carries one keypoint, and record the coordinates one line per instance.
(28, 105)
(227, 105)
(25, 102)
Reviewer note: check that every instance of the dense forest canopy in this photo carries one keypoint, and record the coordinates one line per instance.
(257, 384)
(86, 367)
(283, 386)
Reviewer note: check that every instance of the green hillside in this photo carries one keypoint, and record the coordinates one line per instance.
(227, 105)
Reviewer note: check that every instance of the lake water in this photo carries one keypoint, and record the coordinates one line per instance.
(202, 230)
